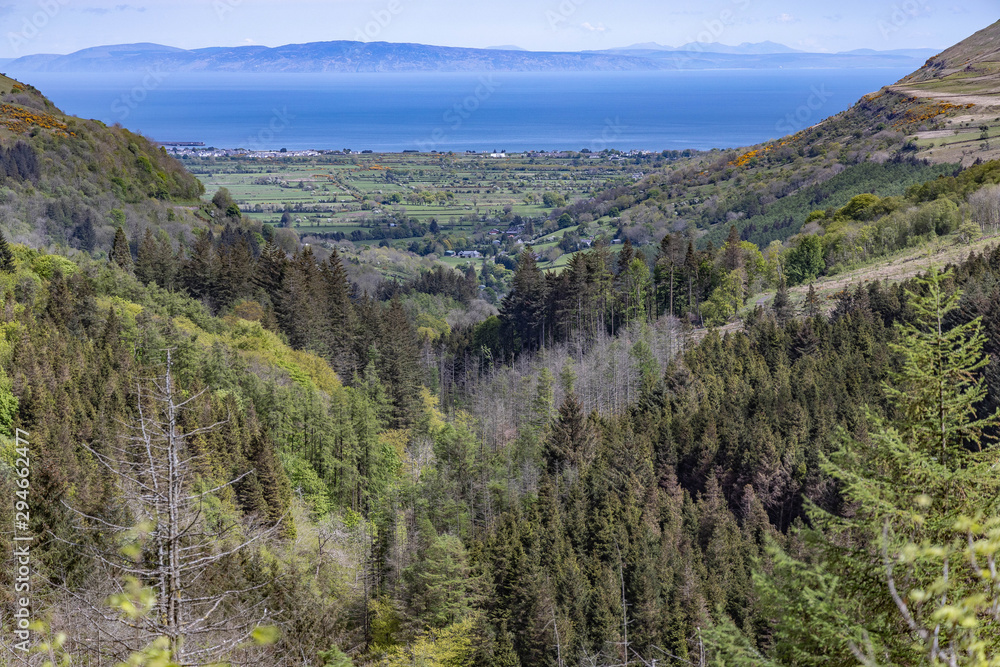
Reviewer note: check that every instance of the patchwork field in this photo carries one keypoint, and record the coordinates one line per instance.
(337, 192)
(443, 203)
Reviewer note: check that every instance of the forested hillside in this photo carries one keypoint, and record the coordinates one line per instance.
(382, 526)
(70, 182)
(231, 452)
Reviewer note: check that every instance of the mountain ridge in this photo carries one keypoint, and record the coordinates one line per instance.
(971, 67)
(350, 56)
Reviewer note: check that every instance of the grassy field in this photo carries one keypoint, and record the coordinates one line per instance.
(343, 192)
(962, 139)
(471, 197)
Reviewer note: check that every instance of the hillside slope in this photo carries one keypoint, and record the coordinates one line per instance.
(971, 67)
(69, 182)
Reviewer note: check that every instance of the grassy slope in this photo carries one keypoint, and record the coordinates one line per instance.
(970, 67)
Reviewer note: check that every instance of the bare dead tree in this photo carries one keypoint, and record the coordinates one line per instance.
(170, 544)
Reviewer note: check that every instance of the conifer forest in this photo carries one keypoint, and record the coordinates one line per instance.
(222, 442)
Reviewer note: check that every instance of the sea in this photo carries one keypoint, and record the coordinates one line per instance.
(505, 111)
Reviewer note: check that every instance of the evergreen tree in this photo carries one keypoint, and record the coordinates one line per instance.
(302, 306)
(438, 578)
(665, 275)
(811, 307)
(572, 442)
(202, 267)
(236, 270)
(6, 256)
(147, 259)
(399, 364)
(270, 271)
(782, 304)
(121, 254)
(924, 496)
(340, 312)
(626, 256)
(732, 251)
(523, 313)
(504, 654)
(691, 270)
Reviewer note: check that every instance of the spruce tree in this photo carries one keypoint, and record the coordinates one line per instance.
(782, 304)
(6, 256)
(908, 572)
(399, 364)
(504, 654)
(270, 272)
(202, 268)
(147, 258)
(121, 254)
(733, 252)
(811, 307)
(572, 442)
(523, 311)
(340, 312)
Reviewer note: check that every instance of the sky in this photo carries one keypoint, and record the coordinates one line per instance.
(64, 26)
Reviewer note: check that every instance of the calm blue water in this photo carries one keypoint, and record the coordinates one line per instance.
(505, 111)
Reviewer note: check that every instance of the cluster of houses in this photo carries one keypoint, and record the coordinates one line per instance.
(182, 150)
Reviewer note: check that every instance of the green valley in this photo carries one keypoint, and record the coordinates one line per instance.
(733, 408)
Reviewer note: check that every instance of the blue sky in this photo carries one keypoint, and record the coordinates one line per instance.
(63, 26)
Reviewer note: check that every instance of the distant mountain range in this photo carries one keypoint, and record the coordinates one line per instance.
(745, 48)
(345, 56)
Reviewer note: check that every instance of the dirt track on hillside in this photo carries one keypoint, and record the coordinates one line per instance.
(978, 100)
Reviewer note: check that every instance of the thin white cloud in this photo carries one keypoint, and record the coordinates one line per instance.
(600, 27)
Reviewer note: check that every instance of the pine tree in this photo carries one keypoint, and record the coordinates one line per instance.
(202, 267)
(811, 308)
(572, 442)
(924, 513)
(524, 309)
(340, 312)
(782, 304)
(147, 258)
(121, 254)
(6, 256)
(504, 654)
